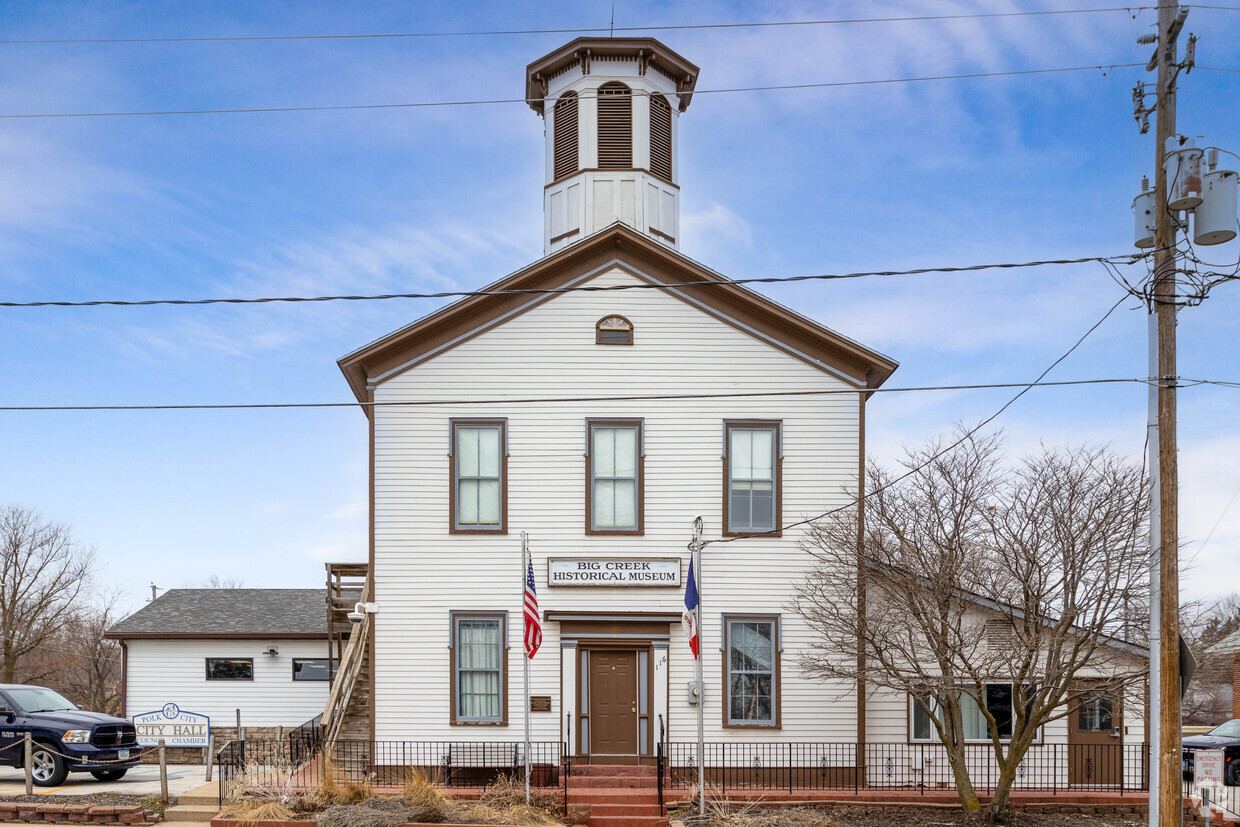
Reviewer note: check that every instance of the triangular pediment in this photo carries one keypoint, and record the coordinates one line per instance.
(617, 247)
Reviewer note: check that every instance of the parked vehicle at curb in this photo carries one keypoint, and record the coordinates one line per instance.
(66, 737)
(1225, 737)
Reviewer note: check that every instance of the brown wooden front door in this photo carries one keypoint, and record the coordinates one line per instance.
(613, 702)
(1095, 742)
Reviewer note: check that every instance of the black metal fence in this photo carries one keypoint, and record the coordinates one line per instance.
(299, 763)
(920, 768)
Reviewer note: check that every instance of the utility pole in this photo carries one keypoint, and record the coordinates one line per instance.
(1168, 799)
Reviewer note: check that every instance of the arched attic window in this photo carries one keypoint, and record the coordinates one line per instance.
(564, 125)
(613, 330)
(615, 126)
(660, 137)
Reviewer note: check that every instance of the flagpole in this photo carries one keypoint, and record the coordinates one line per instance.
(701, 701)
(525, 662)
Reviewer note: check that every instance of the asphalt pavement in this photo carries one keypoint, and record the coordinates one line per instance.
(142, 780)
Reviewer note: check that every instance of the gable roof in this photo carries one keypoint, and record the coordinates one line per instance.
(229, 613)
(623, 247)
(900, 573)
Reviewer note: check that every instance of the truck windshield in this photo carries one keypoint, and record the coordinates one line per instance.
(37, 699)
(1231, 729)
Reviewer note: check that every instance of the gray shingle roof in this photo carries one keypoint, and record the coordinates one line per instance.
(207, 612)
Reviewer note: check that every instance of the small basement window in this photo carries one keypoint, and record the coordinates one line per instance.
(613, 330)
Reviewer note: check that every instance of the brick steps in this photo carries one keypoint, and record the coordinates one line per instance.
(618, 795)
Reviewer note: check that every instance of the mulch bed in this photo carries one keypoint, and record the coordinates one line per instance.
(910, 817)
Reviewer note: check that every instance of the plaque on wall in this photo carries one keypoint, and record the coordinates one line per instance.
(540, 703)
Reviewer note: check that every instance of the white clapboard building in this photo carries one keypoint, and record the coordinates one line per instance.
(596, 425)
(260, 654)
(654, 414)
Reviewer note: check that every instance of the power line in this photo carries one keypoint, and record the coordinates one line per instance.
(225, 406)
(581, 30)
(1103, 68)
(1127, 258)
(968, 434)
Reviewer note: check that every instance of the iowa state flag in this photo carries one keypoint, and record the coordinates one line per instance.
(690, 616)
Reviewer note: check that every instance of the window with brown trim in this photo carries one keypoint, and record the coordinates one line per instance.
(752, 463)
(751, 647)
(660, 137)
(564, 125)
(479, 460)
(479, 664)
(615, 126)
(614, 464)
(613, 330)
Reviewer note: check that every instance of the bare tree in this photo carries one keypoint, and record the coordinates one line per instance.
(970, 571)
(217, 582)
(44, 576)
(89, 666)
(1208, 700)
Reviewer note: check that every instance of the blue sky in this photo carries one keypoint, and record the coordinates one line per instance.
(788, 182)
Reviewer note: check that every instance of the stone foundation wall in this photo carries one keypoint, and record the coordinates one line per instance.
(222, 734)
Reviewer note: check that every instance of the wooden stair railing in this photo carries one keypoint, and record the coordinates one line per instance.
(348, 672)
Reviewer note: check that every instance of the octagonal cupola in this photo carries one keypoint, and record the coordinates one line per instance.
(610, 108)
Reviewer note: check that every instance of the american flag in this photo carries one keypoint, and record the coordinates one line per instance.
(533, 629)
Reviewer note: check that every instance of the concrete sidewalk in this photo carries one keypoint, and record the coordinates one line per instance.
(142, 780)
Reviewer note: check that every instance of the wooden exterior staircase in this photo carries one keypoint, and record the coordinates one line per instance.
(346, 718)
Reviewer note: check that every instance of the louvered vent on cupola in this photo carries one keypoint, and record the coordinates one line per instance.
(615, 126)
(565, 126)
(661, 137)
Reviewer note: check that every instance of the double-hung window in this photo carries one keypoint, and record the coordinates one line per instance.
(479, 660)
(751, 470)
(614, 483)
(999, 700)
(479, 475)
(751, 648)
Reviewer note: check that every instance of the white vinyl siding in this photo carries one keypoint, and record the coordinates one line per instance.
(160, 671)
(423, 572)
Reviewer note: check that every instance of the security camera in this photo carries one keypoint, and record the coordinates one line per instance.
(358, 614)
(271, 650)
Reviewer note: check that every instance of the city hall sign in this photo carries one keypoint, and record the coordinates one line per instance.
(613, 571)
(175, 726)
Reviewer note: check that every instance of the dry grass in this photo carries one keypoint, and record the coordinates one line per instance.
(257, 809)
(426, 803)
(508, 792)
(331, 792)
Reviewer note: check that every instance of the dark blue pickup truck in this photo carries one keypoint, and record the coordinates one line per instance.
(61, 728)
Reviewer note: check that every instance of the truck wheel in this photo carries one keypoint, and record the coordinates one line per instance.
(48, 768)
(110, 775)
